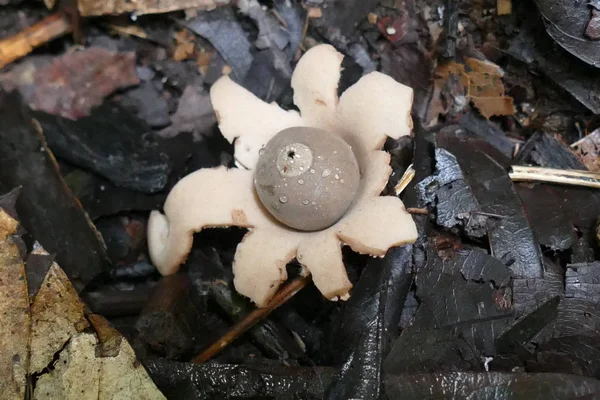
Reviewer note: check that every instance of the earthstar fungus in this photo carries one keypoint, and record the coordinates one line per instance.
(340, 193)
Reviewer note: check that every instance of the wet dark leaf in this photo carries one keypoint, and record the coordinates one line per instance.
(575, 77)
(210, 275)
(528, 293)
(410, 65)
(453, 199)
(220, 27)
(545, 213)
(583, 281)
(522, 330)
(270, 31)
(111, 142)
(338, 18)
(36, 268)
(270, 74)
(194, 114)
(46, 206)
(492, 385)
(215, 381)
(458, 320)
(148, 104)
(567, 22)
(576, 354)
(479, 127)
(546, 151)
(294, 16)
(370, 319)
(511, 238)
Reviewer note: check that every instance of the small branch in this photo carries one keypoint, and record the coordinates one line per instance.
(551, 175)
(23, 43)
(281, 297)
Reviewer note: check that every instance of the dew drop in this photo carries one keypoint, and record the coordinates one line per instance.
(301, 168)
(285, 184)
(261, 152)
(305, 202)
(314, 203)
(312, 171)
(335, 152)
(301, 181)
(283, 199)
(325, 173)
(336, 176)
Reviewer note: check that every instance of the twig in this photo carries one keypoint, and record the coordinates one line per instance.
(23, 43)
(414, 210)
(406, 178)
(551, 175)
(281, 297)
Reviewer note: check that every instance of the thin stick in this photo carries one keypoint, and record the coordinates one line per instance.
(414, 210)
(23, 43)
(405, 180)
(281, 297)
(551, 175)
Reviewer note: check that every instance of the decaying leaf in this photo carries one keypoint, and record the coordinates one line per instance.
(54, 323)
(14, 304)
(62, 87)
(64, 351)
(478, 81)
(184, 48)
(588, 149)
(115, 7)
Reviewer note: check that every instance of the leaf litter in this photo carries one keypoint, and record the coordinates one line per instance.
(501, 282)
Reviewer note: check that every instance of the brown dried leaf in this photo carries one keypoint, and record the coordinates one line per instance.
(51, 338)
(76, 374)
(100, 365)
(588, 149)
(80, 373)
(14, 308)
(116, 7)
(57, 314)
(184, 48)
(482, 83)
(490, 106)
